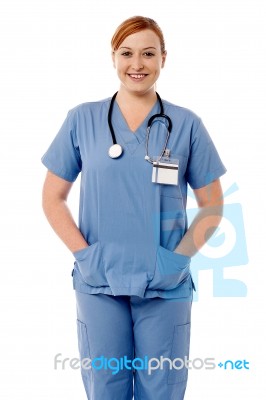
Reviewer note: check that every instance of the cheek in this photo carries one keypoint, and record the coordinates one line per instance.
(157, 67)
(158, 70)
(120, 66)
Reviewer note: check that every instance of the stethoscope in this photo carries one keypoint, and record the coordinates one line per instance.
(116, 149)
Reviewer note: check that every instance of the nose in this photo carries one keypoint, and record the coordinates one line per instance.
(137, 63)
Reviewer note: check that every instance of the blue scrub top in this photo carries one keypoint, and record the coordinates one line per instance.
(132, 224)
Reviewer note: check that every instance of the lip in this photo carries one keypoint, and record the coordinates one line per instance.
(137, 77)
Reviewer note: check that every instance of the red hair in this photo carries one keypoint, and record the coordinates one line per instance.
(133, 25)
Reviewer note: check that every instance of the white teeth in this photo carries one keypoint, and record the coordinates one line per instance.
(137, 76)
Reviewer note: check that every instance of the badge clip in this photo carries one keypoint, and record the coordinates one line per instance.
(166, 153)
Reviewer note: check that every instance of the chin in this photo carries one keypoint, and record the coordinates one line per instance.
(140, 90)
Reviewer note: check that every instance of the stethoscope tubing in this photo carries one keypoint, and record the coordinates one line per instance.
(150, 122)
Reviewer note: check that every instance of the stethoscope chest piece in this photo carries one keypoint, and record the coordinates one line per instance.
(115, 151)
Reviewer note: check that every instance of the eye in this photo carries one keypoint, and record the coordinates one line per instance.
(148, 54)
(126, 54)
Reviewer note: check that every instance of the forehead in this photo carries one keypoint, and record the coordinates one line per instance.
(142, 39)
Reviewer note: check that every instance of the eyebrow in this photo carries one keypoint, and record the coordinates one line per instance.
(145, 48)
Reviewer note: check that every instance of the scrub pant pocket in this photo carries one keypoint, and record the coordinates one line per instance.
(179, 354)
(84, 352)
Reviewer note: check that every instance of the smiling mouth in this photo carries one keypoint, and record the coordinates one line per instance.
(137, 76)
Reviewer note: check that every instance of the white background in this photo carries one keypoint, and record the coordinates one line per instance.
(55, 54)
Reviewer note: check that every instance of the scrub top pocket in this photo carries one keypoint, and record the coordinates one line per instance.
(171, 270)
(172, 216)
(89, 263)
(171, 191)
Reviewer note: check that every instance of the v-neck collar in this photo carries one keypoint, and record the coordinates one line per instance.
(131, 139)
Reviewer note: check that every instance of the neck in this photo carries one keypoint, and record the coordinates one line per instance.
(135, 98)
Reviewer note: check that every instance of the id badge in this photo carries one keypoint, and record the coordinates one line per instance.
(165, 171)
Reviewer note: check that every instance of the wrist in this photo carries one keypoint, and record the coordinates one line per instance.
(80, 249)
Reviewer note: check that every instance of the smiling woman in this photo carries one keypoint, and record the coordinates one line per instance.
(138, 59)
(132, 247)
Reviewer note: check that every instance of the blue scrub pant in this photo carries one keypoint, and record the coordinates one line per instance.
(131, 328)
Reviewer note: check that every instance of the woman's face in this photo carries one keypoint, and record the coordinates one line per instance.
(138, 61)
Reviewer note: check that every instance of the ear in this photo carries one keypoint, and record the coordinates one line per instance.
(163, 58)
(113, 58)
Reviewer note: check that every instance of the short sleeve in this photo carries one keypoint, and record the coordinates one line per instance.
(63, 156)
(204, 164)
